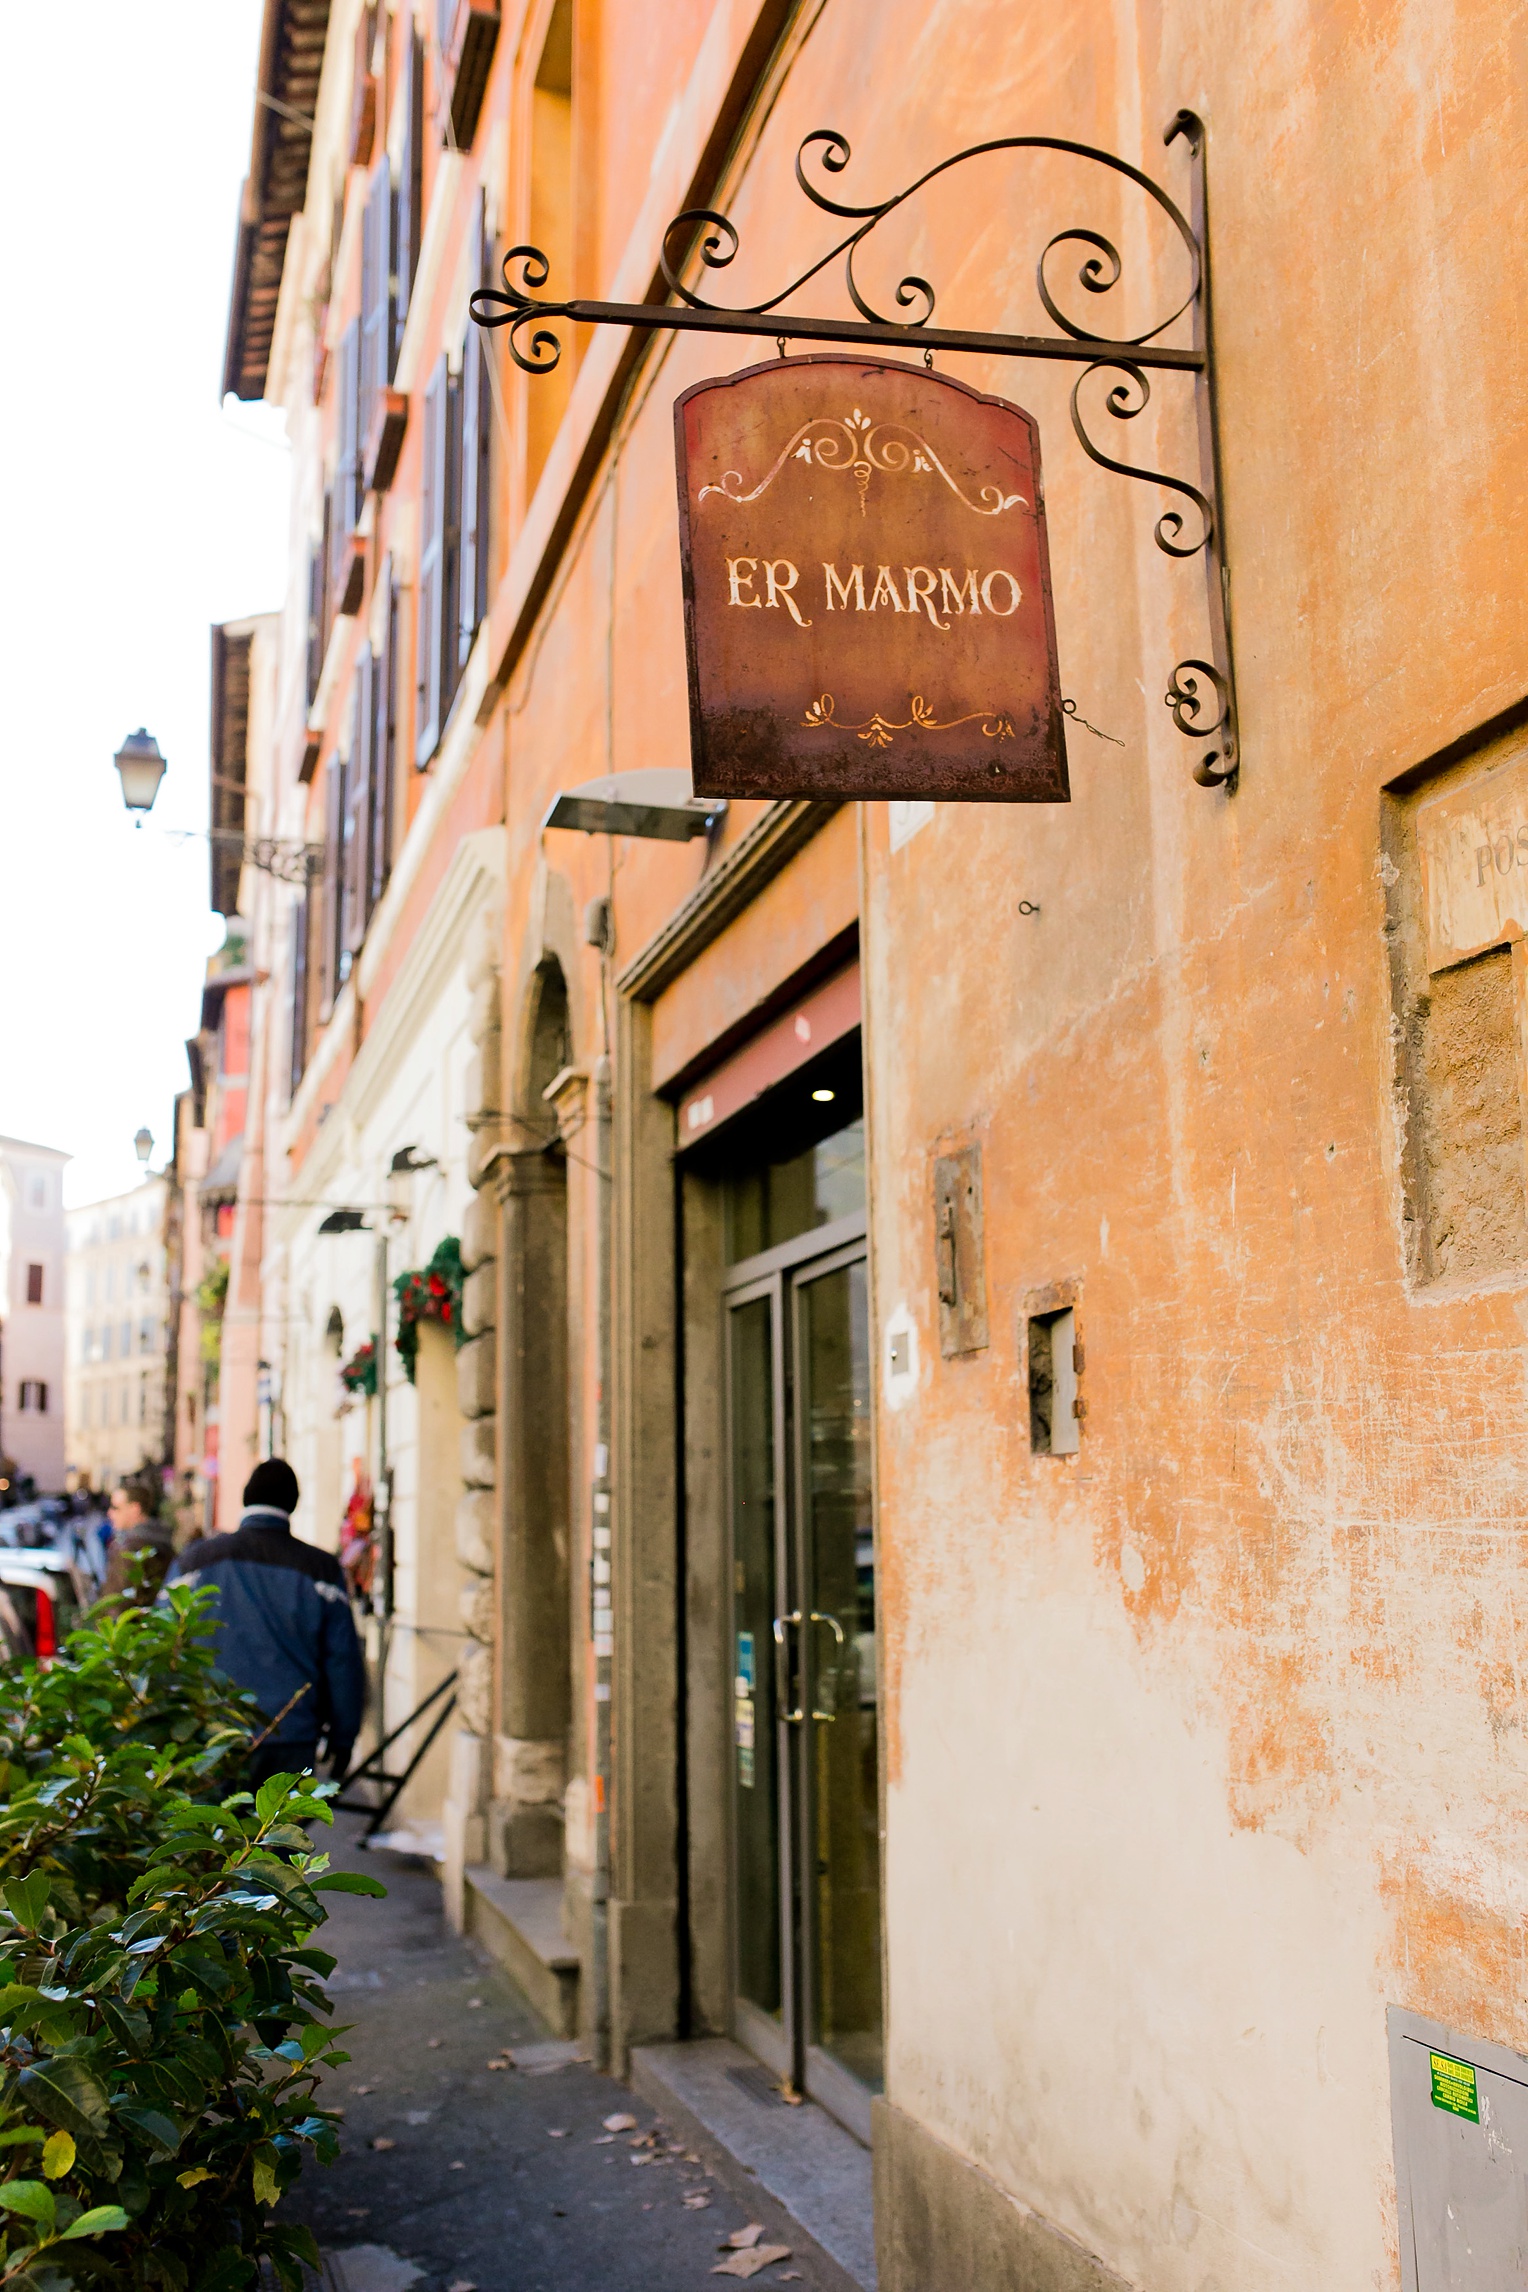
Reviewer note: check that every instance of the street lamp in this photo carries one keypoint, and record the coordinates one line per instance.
(143, 1143)
(141, 767)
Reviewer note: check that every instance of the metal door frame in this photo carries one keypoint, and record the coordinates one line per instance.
(780, 1274)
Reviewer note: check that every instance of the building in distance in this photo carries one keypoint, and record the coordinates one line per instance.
(31, 1315)
(117, 1318)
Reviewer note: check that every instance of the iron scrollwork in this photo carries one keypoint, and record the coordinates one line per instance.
(703, 237)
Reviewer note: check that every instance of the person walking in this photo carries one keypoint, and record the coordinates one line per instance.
(284, 1628)
(142, 1545)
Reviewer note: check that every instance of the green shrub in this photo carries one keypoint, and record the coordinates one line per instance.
(161, 2009)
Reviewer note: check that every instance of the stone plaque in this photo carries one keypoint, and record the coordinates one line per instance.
(866, 587)
(1473, 846)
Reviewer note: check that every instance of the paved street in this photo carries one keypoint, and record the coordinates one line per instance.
(505, 2180)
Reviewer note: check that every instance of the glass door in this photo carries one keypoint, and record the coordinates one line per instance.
(838, 1749)
(806, 1821)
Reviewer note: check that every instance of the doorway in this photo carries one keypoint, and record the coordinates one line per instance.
(803, 1718)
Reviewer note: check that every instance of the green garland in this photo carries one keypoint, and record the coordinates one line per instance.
(430, 1293)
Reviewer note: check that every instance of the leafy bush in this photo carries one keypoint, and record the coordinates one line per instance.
(161, 2016)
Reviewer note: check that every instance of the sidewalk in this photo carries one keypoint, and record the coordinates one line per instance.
(453, 2174)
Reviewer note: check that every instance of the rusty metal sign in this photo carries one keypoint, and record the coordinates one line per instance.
(867, 591)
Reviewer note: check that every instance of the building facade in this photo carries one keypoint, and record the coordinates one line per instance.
(32, 1340)
(117, 1324)
(948, 1464)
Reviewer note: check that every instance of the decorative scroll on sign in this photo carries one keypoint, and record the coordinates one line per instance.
(866, 587)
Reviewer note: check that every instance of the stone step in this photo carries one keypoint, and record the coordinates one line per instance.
(519, 1922)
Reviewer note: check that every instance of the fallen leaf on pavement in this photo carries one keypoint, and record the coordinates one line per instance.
(695, 2203)
(473, 2004)
(790, 2276)
(619, 2123)
(363, 2089)
(557, 2132)
(749, 2263)
(462, 2284)
(434, 2043)
(602, 2141)
(456, 2166)
(497, 2065)
(383, 2141)
(641, 2160)
(741, 2238)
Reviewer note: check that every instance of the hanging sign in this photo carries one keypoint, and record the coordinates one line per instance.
(866, 587)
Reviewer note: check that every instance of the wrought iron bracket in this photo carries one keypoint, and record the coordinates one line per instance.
(297, 863)
(1201, 692)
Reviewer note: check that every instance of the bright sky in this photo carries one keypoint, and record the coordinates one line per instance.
(138, 513)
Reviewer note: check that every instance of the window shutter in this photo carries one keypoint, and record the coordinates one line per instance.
(451, 554)
(325, 580)
(477, 429)
(384, 747)
(347, 478)
(330, 901)
(432, 566)
(316, 630)
(357, 864)
(410, 185)
(376, 299)
(299, 1057)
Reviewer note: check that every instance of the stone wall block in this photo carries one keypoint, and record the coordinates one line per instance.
(475, 1375)
(483, 1015)
(474, 1686)
(484, 1142)
(478, 1453)
(485, 947)
(480, 1231)
(481, 1084)
(475, 1605)
(475, 1524)
(478, 1300)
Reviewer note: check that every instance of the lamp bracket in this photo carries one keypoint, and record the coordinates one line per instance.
(1201, 693)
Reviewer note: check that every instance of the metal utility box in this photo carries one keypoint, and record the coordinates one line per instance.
(1459, 2110)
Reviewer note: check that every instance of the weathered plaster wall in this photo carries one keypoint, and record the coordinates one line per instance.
(1236, 1690)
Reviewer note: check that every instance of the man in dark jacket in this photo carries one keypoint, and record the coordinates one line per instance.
(284, 1627)
(141, 1545)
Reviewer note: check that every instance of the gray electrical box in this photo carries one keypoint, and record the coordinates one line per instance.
(1459, 2110)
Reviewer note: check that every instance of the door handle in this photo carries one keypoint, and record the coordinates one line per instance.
(779, 1627)
(837, 1629)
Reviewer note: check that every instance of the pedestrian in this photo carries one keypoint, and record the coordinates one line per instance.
(142, 1544)
(284, 1629)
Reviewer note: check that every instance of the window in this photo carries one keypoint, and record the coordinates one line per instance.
(37, 1191)
(109, 1287)
(378, 277)
(146, 1334)
(439, 510)
(125, 1335)
(301, 924)
(410, 197)
(476, 434)
(34, 1397)
(90, 1285)
(87, 1407)
(34, 1285)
